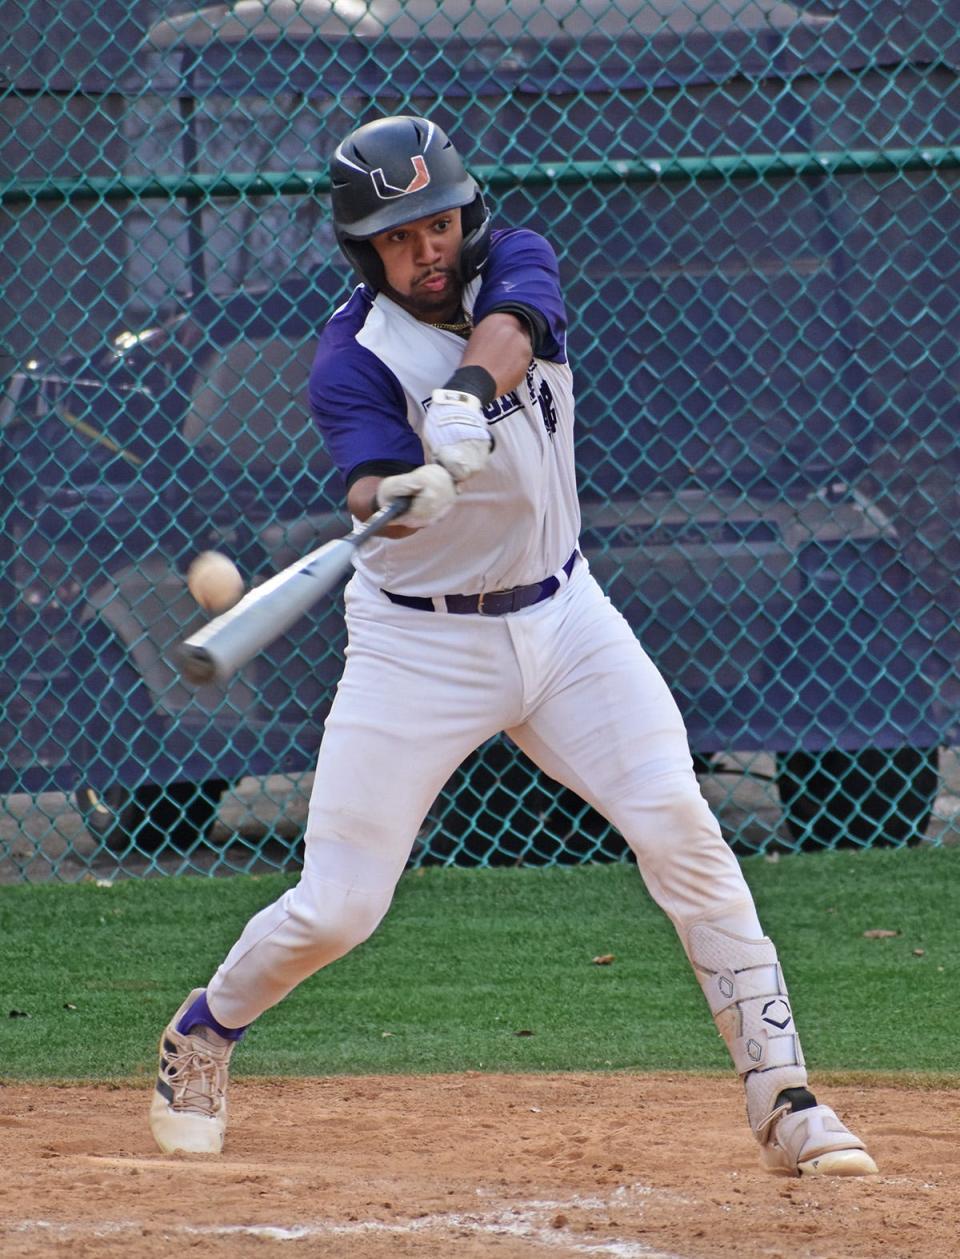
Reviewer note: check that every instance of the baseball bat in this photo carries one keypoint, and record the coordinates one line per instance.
(264, 613)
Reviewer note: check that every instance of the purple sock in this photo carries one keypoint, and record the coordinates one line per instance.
(199, 1012)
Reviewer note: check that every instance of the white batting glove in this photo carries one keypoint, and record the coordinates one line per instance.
(432, 488)
(457, 433)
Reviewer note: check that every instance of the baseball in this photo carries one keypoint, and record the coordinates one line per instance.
(214, 581)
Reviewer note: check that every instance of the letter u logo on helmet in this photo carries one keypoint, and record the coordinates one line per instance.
(421, 178)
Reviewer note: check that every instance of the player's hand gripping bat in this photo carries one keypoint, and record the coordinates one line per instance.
(230, 640)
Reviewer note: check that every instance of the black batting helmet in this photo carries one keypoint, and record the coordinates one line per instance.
(393, 171)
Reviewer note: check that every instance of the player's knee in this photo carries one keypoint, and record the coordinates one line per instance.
(670, 816)
(330, 920)
(343, 894)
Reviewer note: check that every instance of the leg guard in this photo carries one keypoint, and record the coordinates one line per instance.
(744, 987)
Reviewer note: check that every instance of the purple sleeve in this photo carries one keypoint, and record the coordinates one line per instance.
(356, 400)
(522, 272)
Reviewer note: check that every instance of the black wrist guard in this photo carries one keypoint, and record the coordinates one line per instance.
(475, 380)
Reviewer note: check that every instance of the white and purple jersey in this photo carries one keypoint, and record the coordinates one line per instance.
(515, 522)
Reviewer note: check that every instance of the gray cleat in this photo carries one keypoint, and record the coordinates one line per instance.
(815, 1142)
(188, 1113)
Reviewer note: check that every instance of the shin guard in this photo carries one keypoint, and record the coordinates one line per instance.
(744, 987)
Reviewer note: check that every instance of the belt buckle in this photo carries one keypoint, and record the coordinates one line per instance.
(495, 595)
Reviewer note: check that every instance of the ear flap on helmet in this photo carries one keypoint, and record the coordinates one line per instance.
(365, 261)
(475, 219)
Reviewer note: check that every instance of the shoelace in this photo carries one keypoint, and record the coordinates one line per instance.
(198, 1080)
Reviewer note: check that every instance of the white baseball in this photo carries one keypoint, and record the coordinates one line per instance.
(214, 581)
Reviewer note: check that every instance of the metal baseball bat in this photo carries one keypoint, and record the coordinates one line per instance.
(229, 641)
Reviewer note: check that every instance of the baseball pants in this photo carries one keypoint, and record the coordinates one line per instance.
(570, 684)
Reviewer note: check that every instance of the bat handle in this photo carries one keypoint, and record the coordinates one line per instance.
(379, 520)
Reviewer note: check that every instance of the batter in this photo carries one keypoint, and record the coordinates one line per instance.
(444, 379)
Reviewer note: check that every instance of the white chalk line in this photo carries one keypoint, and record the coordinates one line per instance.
(197, 1165)
(531, 1221)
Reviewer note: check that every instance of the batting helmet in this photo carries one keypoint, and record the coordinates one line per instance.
(393, 171)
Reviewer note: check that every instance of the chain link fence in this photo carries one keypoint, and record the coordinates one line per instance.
(755, 209)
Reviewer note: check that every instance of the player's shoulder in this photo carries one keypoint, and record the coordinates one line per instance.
(348, 366)
(343, 326)
(522, 245)
(339, 353)
(339, 347)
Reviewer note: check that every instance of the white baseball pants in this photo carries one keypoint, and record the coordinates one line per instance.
(572, 687)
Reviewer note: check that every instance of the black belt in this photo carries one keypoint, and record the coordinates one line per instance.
(494, 602)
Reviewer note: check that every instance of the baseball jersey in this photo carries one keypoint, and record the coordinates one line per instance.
(515, 522)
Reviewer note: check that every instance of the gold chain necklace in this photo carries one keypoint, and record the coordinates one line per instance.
(462, 327)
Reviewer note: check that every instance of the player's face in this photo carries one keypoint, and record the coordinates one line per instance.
(420, 262)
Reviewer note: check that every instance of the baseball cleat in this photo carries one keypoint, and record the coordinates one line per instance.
(814, 1142)
(188, 1113)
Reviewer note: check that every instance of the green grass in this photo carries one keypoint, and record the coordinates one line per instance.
(466, 959)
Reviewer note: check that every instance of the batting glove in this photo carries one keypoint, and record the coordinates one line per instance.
(432, 489)
(457, 433)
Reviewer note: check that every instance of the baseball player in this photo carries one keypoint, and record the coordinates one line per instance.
(444, 379)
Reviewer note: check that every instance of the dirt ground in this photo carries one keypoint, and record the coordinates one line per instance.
(512, 1167)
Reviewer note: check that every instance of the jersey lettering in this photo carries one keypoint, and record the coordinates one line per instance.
(542, 395)
(549, 411)
(501, 407)
(496, 410)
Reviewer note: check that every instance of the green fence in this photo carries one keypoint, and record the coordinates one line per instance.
(755, 209)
